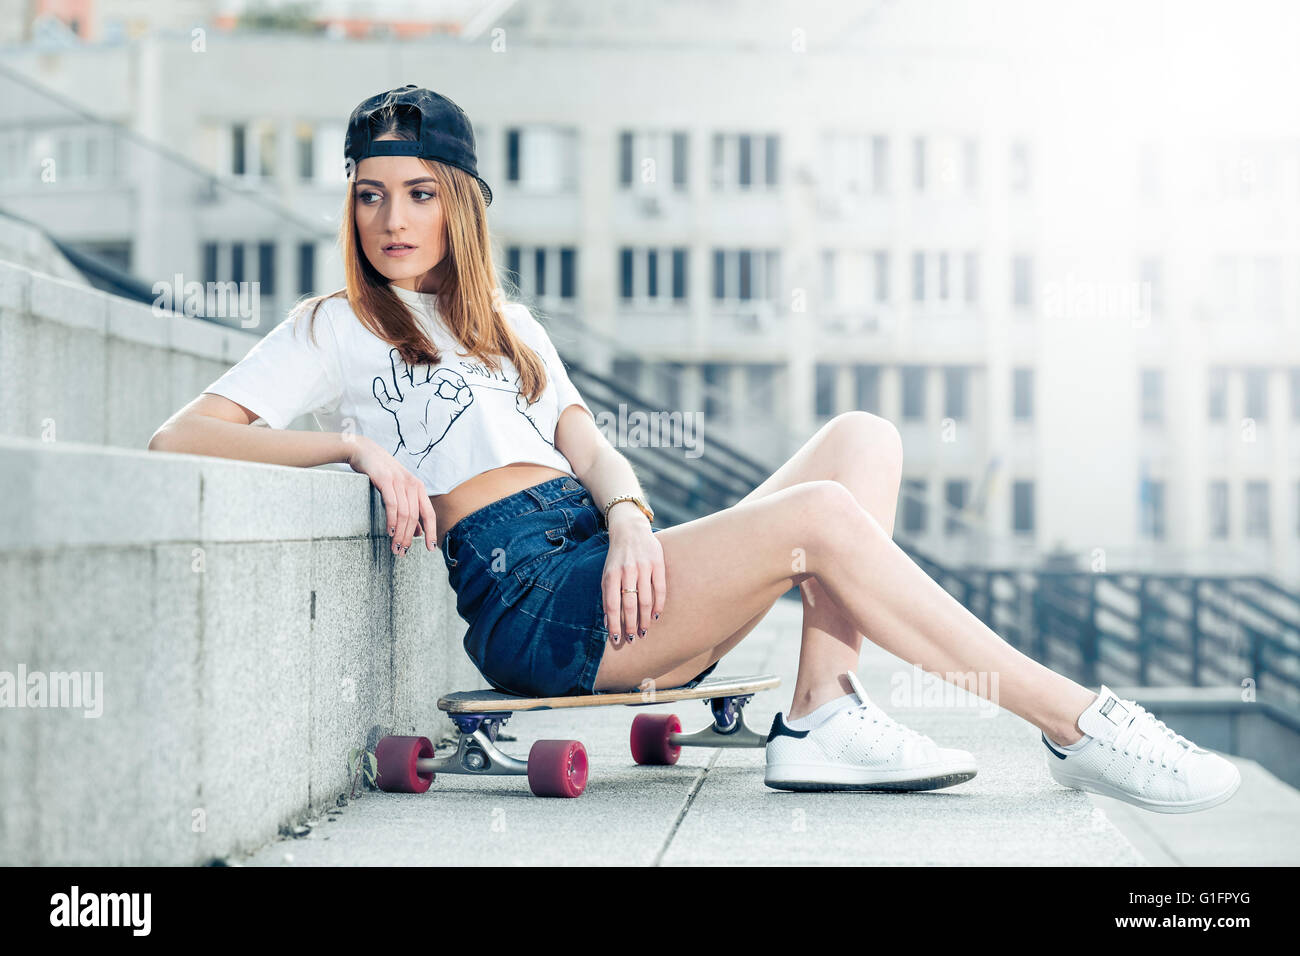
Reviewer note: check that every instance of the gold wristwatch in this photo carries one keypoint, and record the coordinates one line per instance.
(636, 500)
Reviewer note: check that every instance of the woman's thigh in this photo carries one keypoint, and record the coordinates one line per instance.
(850, 439)
(721, 571)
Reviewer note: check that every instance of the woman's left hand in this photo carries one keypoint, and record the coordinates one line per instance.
(635, 560)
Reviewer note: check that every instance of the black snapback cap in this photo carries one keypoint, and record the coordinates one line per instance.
(443, 131)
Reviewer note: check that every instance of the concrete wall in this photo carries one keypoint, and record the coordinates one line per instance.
(247, 621)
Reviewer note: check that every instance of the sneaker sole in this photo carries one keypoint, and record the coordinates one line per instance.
(830, 777)
(1157, 806)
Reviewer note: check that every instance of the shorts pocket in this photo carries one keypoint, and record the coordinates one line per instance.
(536, 569)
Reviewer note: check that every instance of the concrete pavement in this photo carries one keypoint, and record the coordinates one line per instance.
(712, 807)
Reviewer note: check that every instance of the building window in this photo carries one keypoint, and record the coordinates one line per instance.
(627, 372)
(914, 506)
(1219, 510)
(237, 262)
(866, 388)
(266, 268)
(666, 152)
(970, 166)
(1295, 394)
(542, 158)
(668, 382)
(238, 135)
(743, 160)
(918, 277)
(1151, 285)
(741, 275)
(640, 279)
(1257, 394)
(918, 164)
(1152, 502)
(716, 381)
(625, 158)
(913, 393)
(825, 385)
(1022, 282)
(1217, 398)
(1257, 523)
(954, 392)
(760, 388)
(1020, 172)
(679, 161)
(1153, 396)
(537, 280)
(625, 273)
(955, 493)
(1022, 507)
(306, 267)
(210, 262)
(853, 164)
(879, 165)
(512, 155)
(1022, 394)
(568, 267)
(881, 260)
(306, 151)
(970, 272)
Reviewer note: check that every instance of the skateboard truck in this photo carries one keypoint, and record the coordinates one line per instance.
(476, 748)
(729, 727)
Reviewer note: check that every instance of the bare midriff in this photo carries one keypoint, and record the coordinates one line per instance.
(481, 490)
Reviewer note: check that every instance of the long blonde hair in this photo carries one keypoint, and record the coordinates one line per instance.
(469, 300)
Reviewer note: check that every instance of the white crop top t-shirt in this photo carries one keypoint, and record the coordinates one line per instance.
(445, 423)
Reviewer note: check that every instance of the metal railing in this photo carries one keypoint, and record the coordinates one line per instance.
(1151, 629)
(681, 488)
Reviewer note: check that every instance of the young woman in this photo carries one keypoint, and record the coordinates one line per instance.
(455, 404)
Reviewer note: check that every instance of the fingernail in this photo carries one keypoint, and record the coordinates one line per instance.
(656, 617)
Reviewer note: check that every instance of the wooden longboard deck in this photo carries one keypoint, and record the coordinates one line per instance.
(483, 701)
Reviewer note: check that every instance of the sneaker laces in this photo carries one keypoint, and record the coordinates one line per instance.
(1153, 738)
(866, 707)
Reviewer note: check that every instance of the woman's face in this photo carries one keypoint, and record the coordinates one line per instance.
(399, 220)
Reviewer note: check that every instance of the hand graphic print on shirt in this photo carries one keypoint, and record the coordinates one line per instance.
(432, 401)
(427, 400)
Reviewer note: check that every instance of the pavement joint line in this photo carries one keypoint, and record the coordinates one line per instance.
(686, 806)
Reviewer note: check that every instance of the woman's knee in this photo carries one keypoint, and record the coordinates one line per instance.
(829, 516)
(869, 437)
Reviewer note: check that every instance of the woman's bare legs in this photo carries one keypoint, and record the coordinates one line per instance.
(724, 572)
(865, 454)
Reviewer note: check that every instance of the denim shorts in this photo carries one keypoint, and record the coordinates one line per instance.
(527, 572)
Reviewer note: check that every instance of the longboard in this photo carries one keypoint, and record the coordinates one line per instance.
(558, 768)
(491, 701)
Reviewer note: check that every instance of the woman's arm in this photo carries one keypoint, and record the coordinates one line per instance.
(636, 559)
(214, 425)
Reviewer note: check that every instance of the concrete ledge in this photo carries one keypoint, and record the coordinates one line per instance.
(78, 364)
(247, 625)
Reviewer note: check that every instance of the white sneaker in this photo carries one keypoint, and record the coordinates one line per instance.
(860, 748)
(1135, 758)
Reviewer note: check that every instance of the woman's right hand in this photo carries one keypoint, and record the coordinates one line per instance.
(406, 503)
